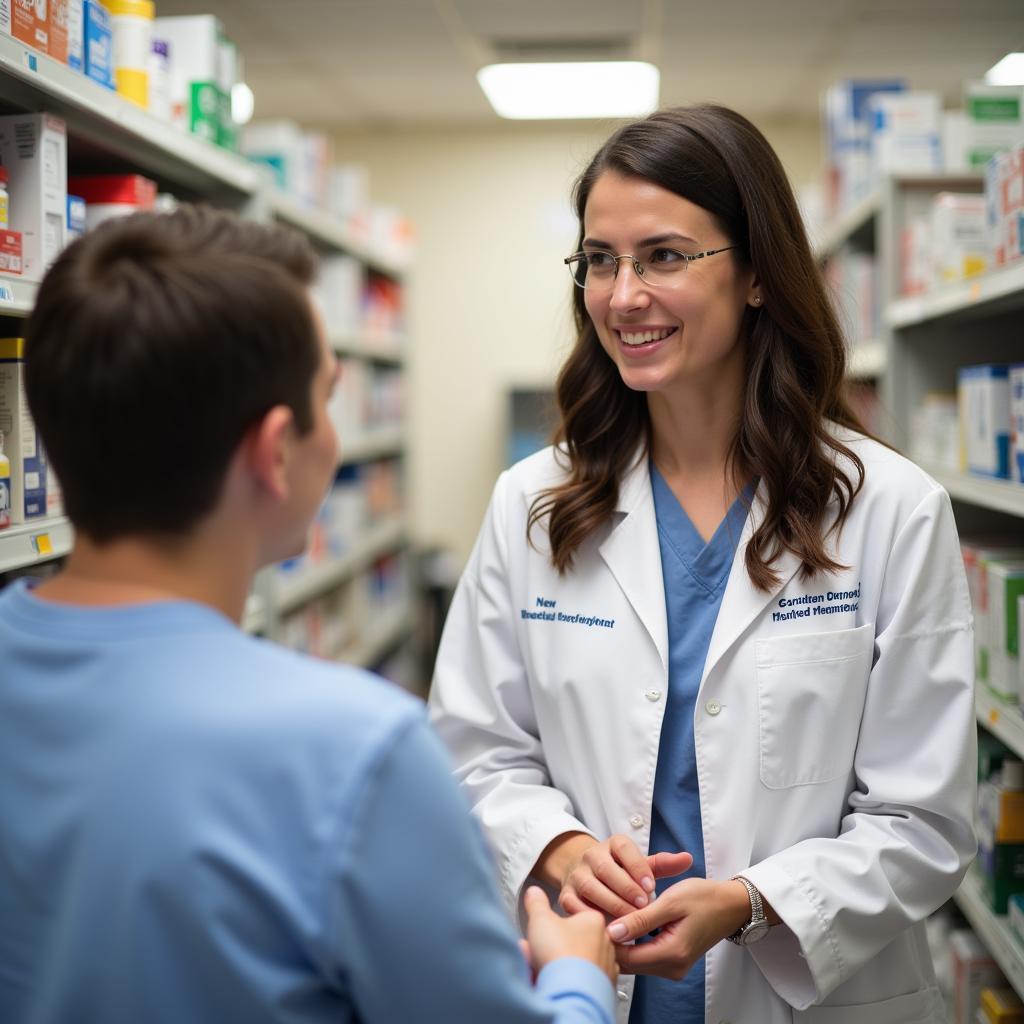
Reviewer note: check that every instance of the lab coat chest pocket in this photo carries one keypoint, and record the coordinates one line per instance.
(810, 694)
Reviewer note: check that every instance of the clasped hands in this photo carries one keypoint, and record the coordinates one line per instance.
(615, 878)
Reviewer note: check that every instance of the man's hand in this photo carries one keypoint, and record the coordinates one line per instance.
(551, 937)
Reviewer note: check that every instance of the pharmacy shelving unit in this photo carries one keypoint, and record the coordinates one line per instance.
(924, 340)
(108, 135)
(873, 225)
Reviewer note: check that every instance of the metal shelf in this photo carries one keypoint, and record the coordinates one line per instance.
(377, 444)
(993, 929)
(854, 223)
(998, 495)
(319, 579)
(17, 297)
(1002, 718)
(380, 639)
(114, 126)
(997, 291)
(37, 541)
(324, 228)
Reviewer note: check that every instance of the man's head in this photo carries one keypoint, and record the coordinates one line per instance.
(157, 344)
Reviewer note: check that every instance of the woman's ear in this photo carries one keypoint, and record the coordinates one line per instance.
(268, 448)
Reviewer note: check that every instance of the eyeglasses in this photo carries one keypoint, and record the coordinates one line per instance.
(656, 266)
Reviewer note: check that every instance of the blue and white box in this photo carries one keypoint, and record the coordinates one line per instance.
(984, 395)
(1017, 422)
(76, 218)
(76, 35)
(98, 43)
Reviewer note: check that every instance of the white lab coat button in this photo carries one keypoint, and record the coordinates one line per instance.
(712, 707)
(622, 995)
(653, 695)
(636, 821)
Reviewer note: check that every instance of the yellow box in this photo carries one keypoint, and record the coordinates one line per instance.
(1001, 1006)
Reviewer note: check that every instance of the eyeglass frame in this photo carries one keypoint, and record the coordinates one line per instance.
(637, 266)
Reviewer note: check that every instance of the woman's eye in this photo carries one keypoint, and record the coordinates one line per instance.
(667, 256)
(599, 259)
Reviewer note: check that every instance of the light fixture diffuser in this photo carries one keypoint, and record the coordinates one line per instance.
(575, 89)
(1009, 71)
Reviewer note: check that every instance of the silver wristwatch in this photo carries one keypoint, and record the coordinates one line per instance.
(757, 927)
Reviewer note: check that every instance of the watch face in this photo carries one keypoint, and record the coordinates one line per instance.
(754, 932)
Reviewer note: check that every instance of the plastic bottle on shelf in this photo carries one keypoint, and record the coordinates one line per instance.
(5, 486)
(132, 26)
(4, 215)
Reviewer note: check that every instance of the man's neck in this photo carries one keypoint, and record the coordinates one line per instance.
(143, 570)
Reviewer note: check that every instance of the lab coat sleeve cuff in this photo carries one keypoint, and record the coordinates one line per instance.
(523, 852)
(582, 983)
(799, 958)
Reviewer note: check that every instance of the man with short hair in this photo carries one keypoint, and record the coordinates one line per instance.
(196, 825)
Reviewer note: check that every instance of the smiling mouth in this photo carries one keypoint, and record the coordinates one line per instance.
(636, 338)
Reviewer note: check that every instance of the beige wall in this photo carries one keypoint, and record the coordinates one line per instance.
(489, 297)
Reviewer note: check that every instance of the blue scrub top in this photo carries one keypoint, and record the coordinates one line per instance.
(695, 574)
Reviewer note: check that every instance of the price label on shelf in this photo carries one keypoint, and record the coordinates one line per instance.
(993, 716)
(41, 544)
(6, 295)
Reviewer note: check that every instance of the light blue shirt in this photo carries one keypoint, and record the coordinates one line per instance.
(199, 826)
(695, 574)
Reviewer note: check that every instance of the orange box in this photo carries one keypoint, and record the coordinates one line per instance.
(10, 252)
(27, 26)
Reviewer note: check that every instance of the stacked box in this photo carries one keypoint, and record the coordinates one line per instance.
(28, 24)
(1005, 585)
(973, 969)
(76, 34)
(197, 59)
(996, 119)
(1004, 204)
(21, 445)
(33, 148)
(848, 134)
(958, 236)
(1001, 1006)
(906, 132)
(281, 146)
(984, 399)
(978, 556)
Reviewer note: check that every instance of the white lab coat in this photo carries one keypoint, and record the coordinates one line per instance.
(835, 748)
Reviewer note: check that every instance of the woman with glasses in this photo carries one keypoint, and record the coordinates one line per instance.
(718, 621)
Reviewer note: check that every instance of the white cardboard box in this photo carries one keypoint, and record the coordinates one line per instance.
(33, 148)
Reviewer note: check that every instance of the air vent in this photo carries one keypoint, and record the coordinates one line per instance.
(561, 49)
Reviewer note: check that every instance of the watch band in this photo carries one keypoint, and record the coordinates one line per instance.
(757, 915)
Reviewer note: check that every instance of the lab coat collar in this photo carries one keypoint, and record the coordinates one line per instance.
(633, 555)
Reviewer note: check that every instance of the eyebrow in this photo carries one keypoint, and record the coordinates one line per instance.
(672, 236)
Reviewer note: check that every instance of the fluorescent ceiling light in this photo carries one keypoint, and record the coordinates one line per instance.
(1009, 71)
(575, 89)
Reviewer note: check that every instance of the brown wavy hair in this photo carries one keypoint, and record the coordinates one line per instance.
(795, 354)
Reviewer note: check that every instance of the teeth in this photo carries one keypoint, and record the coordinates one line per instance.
(643, 337)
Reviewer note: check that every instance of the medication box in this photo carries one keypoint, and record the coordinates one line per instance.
(10, 252)
(76, 35)
(984, 396)
(98, 43)
(197, 68)
(28, 24)
(33, 148)
(996, 119)
(57, 29)
(1001, 1006)
(1017, 423)
(906, 132)
(21, 445)
(973, 969)
(1005, 585)
(958, 236)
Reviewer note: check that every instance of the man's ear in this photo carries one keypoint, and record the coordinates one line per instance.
(268, 448)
